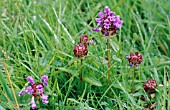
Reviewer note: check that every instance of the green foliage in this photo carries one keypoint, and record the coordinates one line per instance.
(38, 37)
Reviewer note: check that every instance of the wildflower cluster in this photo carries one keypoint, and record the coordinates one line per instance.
(36, 90)
(108, 23)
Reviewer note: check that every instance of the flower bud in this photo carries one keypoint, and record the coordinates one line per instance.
(84, 39)
(150, 86)
(134, 59)
(80, 50)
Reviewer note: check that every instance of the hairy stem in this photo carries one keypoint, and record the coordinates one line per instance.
(133, 78)
(81, 63)
(109, 61)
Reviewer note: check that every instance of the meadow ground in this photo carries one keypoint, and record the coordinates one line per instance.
(37, 37)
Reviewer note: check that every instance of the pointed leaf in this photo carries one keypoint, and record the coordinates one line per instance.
(92, 81)
(67, 70)
(114, 46)
(116, 59)
(6, 89)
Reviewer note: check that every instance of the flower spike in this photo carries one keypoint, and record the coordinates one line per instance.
(107, 23)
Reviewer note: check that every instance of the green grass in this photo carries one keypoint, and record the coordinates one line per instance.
(38, 39)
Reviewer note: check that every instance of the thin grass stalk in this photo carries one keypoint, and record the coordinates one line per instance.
(133, 80)
(10, 82)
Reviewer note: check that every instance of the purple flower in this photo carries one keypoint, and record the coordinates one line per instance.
(134, 59)
(118, 22)
(44, 98)
(84, 40)
(108, 24)
(30, 80)
(80, 50)
(92, 42)
(101, 14)
(32, 103)
(44, 79)
(40, 89)
(150, 86)
(29, 90)
(96, 29)
(107, 10)
(36, 90)
(21, 93)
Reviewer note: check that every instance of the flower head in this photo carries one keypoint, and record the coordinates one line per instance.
(84, 39)
(108, 23)
(150, 86)
(134, 59)
(36, 90)
(80, 50)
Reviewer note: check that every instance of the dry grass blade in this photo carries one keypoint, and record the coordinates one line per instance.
(10, 82)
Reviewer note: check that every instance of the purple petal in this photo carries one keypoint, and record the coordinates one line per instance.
(44, 98)
(40, 91)
(121, 22)
(101, 14)
(30, 80)
(117, 17)
(44, 78)
(106, 26)
(100, 24)
(111, 13)
(118, 24)
(98, 19)
(45, 83)
(32, 103)
(107, 10)
(92, 42)
(106, 21)
(131, 64)
(21, 93)
(112, 18)
(106, 33)
(29, 90)
(96, 29)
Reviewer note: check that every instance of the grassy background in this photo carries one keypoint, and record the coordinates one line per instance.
(38, 37)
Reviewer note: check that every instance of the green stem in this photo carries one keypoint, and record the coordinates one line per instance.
(133, 78)
(109, 61)
(81, 77)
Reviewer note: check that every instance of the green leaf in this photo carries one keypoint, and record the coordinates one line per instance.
(116, 59)
(103, 60)
(114, 46)
(139, 93)
(6, 89)
(67, 70)
(92, 81)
